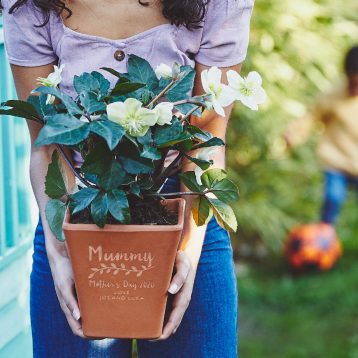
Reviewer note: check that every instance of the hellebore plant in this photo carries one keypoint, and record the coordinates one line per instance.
(124, 135)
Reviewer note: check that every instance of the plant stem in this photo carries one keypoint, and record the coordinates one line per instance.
(190, 113)
(187, 101)
(72, 168)
(175, 194)
(159, 180)
(161, 94)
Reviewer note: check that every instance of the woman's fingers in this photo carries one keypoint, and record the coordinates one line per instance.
(70, 308)
(180, 305)
(183, 266)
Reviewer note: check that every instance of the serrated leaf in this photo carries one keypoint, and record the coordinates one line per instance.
(168, 135)
(91, 103)
(118, 206)
(137, 165)
(82, 199)
(183, 86)
(112, 177)
(67, 101)
(55, 214)
(98, 160)
(140, 71)
(62, 129)
(85, 82)
(110, 131)
(151, 153)
(99, 210)
(104, 84)
(55, 184)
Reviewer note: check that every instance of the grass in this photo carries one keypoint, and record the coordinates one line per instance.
(288, 316)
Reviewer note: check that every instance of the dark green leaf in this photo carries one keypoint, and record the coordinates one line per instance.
(199, 133)
(112, 177)
(19, 109)
(98, 160)
(126, 87)
(99, 210)
(151, 153)
(137, 165)
(91, 103)
(110, 131)
(86, 82)
(111, 71)
(211, 143)
(39, 102)
(64, 98)
(140, 71)
(55, 186)
(189, 180)
(183, 86)
(118, 206)
(55, 214)
(62, 129)
(83, 198)
(104, 84)
(203, 164)
(201, 210)
(224, 214)
(168, 135)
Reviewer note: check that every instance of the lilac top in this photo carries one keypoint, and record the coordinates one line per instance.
(222, 41)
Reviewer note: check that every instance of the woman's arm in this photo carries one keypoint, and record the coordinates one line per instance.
(25, 82)
(193, 236)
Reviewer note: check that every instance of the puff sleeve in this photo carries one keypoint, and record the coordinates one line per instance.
(26, 44)
(225, 34)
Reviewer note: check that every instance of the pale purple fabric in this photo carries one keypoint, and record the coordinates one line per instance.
(222, 41)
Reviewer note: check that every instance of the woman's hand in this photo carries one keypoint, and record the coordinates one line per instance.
(182, 287)
(62, 274)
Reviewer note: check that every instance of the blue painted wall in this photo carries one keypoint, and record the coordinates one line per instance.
(17, 213)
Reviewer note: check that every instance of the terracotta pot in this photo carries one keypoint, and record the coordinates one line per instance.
(122, 274)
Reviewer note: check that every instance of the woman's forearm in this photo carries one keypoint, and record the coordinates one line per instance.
(193, 236)
(39, 161)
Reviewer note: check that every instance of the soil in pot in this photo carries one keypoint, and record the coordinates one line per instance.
(143, 212)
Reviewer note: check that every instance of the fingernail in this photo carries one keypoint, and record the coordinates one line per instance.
(76, 314)
(173, 288)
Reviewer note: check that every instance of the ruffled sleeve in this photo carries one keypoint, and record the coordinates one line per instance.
(225, 35)
(26, 43)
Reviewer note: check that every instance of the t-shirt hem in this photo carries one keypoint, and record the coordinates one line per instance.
(203, 60)
(26, 63)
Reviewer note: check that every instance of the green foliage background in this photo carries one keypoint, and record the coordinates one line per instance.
(298, 47)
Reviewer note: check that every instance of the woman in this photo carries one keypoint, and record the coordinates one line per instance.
(86, 35)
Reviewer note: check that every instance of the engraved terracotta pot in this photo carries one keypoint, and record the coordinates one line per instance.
(122, 274)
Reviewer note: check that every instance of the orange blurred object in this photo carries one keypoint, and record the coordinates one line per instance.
(313, 247)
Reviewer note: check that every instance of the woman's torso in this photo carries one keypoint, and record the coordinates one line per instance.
(136, 29)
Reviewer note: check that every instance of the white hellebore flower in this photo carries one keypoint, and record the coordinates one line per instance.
(164, 71)
(52, 80)
(164, 112)
(248, 90)
(204, 154)
(130, 114)
(221, 94)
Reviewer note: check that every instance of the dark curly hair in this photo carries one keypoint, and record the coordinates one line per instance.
(189, 13)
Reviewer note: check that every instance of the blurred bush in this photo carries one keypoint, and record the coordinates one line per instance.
(298, 47)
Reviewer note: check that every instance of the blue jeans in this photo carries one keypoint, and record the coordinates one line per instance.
(208, 329)
(336, 185)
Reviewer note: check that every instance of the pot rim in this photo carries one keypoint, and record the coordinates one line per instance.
(129, 228)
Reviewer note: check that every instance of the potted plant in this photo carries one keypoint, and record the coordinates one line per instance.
(121, 232)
